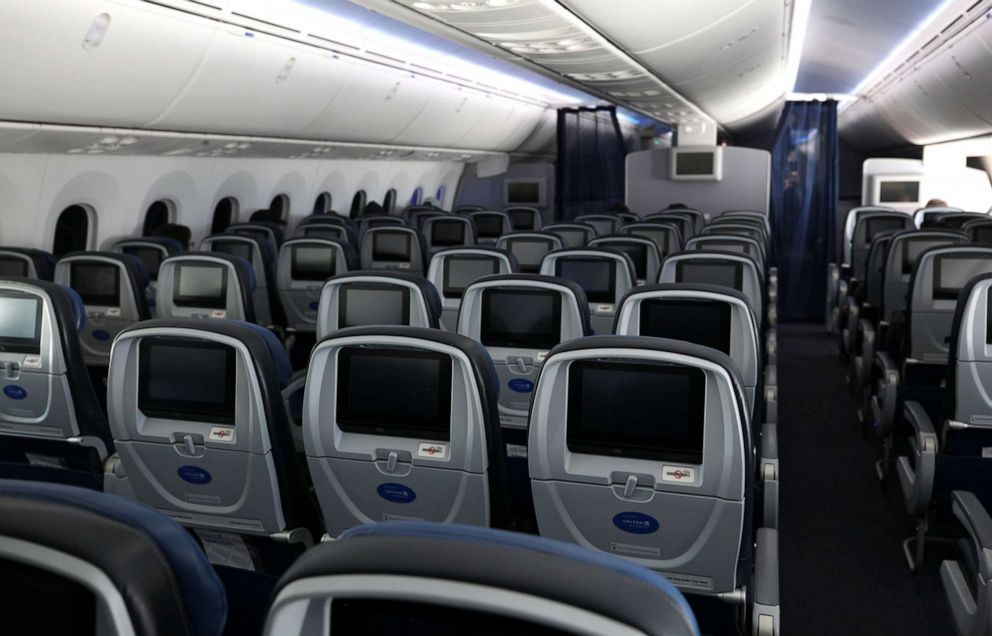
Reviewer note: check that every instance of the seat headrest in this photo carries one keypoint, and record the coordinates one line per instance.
(171, 245)
(430, 294)
(266, 248)
(180, 233)
(727, 292)
(163, 576)
(44, 263)
(601, 583)
(478, 249)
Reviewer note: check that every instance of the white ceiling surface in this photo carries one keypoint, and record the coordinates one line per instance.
(678, 61)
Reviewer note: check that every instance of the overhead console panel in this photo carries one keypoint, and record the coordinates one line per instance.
(283, 70)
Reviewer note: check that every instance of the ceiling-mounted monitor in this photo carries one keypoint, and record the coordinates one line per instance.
(696, 163)
(896, 190)
(531, 192)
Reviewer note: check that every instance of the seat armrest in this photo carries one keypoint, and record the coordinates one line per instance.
(978, 524)
(765, 614)
(916, 479)
(972, 615)
(769, 474)
(886, 391)
(771, 393)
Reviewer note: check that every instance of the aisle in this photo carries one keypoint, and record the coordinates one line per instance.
(842, 565)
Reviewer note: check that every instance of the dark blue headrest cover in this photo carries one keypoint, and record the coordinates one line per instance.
(280, 359)
(78, 307)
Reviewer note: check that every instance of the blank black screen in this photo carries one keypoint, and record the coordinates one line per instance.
(725, 246)
(488, 225)
(710, 273)
(982, 234)
(151, 256)
(185, 379)
(200, 286)
(636, 410)
(637, 253)
(240, 249)
(912, 249)
(596, 276)
(96, 283)
(523, 192)
(529, 252)
(701, 322)
(391, 246)
(312, 263)
(571, 238)
(20, 323)
(361, 304)
(899, 192)
(447, 232)
(13, 267)
(521, 219)
(383, 616)
(462, 271)
(952, 273)
(521, 318)
(602, 226)
(694, 163)
(332, 232)
(874, 226)
(396, 392)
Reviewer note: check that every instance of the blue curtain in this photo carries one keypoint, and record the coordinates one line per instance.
(590, 169)
(803, 202)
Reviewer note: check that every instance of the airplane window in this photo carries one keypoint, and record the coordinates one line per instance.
(156, 216)
(358, 203)
(439, 195)
(323, 203)
(279, 206)
(389, 201)
(71, 231)
(417, 195)
(224, 214)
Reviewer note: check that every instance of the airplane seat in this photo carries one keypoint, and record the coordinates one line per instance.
(604, 274)
(710, 316)
(442, 232)
(330, 218)
(417, 218)
(915, 370)
(152, 250)
(753, 231)
(665, 235)
(529, 248)
(206, 285)
(267, 216)
(468, 209)
(365, 223)
(685, 223)
(699, 220)
(866, 224)
(203, 435)
(179, 233)
(88, 562)
(51, 422)
(642, 252)
(732, 243)
(525, 219)
(628, 217)
(271, 234)
(302, 267)
(112, 287)
(725, 269)
(955, 221)
(519, 318)
(262, 257)
(490, 225)
(641, 447)
(373, 297)
(452, 270)
(393, 248)
(979, 231)
(753, 215)
(926, 218)
(572, 234)
(386, 578)
(949, 438)
(401, 423)
(19, 262)
(329, 231)
(866, 304)
(604, 224)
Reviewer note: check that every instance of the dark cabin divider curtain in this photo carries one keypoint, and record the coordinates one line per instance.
(589, 172)
(803, 202)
